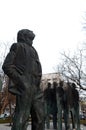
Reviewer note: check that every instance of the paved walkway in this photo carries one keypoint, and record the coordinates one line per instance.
(7, 127)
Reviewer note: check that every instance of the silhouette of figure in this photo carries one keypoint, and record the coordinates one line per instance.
(47, 97)
(68, 102)
(23, 68)
(54, 105)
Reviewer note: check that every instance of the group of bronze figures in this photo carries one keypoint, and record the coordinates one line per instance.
(62, 102)
(23, 67)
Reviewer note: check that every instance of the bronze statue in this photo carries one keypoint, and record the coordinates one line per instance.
(68, 102)
(24, 70)
(47, 97)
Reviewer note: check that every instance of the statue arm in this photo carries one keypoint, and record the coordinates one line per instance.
(9, 66)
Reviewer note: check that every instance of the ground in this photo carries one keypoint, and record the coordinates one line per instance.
(7, 127)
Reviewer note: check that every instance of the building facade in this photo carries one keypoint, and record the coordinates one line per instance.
(50, 77)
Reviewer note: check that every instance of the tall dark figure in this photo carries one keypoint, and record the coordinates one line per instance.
(24, 70)
(54, 105)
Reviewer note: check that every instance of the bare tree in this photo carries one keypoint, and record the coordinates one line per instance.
(73, 68)
(4, 48)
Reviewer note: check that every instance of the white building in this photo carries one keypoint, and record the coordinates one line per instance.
(50, 77)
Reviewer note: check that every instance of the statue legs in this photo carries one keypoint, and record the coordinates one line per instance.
(66, 118)
(24, 104)
(54, 114)
(21, 115)
(55, 121)
(48, 116)
(59, 106)
(38, 116)
(77, 118)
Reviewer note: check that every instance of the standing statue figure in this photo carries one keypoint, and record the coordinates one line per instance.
(54, 105)
(47, 97)
(24, 70)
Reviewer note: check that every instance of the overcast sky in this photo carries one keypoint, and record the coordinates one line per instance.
(56, 23)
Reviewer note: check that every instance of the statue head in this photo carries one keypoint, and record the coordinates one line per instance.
(49, 85)
(54, 85)
(61, 83)
(25, 36)
(73, 85)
